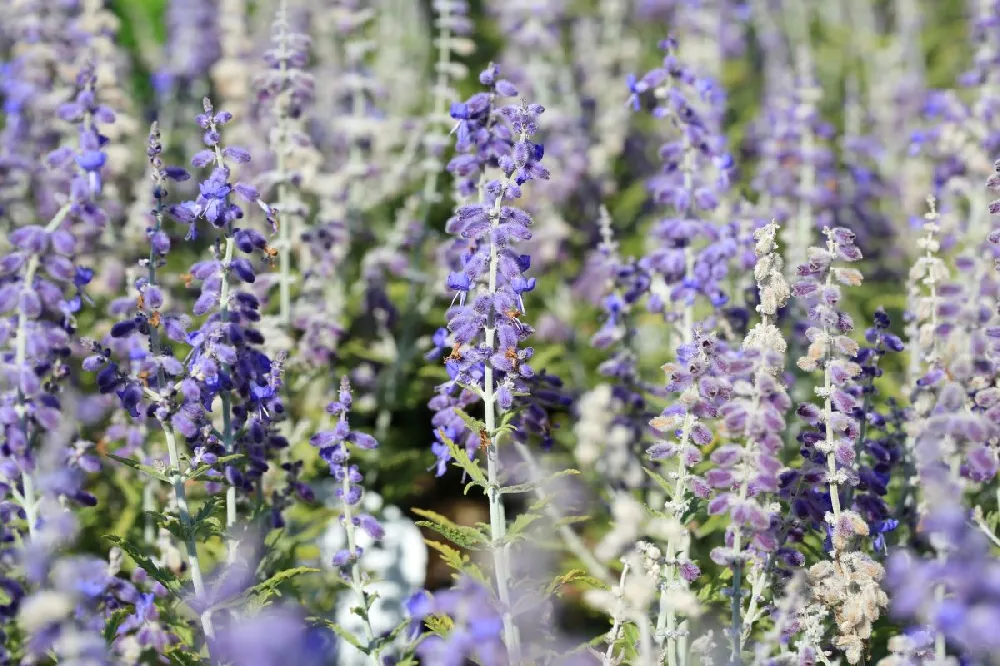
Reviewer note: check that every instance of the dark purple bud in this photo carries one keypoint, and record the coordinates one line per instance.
(123, 328)
(175, 173)
(243, 270)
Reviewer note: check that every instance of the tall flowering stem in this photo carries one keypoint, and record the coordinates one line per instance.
(757, 414)
(42, 274)
(335, 448)
(28, 498)
(487, 331)
(159, 244)
(819, 282)
(219, 337)
(698, 379)
(290, 91)
(849, 583)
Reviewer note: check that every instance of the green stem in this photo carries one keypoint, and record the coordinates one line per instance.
(191, 548)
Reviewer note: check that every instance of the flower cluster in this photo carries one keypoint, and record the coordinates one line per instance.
(486, 327)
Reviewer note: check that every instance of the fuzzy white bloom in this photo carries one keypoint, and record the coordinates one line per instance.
(43, 609)
(603, 445)
(628, 516)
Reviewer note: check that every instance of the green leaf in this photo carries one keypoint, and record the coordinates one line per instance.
(145, 469)
(474, 424)
(184, 658)
(208, 509)
(388, 638)
(203, 469)
(574, 576)
(460, 535)
(263, 591)
(111, 626)
(166, 578)
(521, 523)
(660, 481)
(458, 561)
(340, 631)
(471, 467)
(531, 485)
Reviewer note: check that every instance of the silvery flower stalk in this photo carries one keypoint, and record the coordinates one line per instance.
(849, 583)
(809, 96)
(230, 69)
(453, 27)
(335, 448)
(405, 45)
(359, 125)
(58, 291)
(289, 91)
(158, 245)
(758, 416)
(699, 393)
(688, 254)
(828, 336)
(487, 331)
(609, 49)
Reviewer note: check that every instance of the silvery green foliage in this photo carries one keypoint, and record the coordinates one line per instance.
(396, 564)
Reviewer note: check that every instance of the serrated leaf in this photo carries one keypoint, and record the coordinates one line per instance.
(532, 485)
(461, 458)
(264, 590)
(460, 535)
(458, 561)
(567, 521)
(112, 623)
(521, 523)
(166, 578)
(473, 424)
(575, 576)
(139, 467)
(204, 469)
(660, 481)
(184, 658)
(211, 505)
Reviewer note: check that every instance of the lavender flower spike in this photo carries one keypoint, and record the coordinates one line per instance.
(41, 277)
(335, 448)
(758, 417)
(488, 330)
